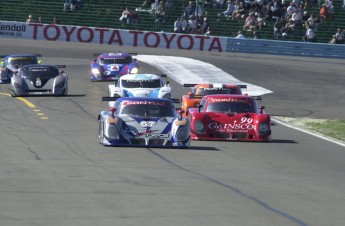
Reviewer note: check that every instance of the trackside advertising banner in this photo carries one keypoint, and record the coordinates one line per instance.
(114, 37)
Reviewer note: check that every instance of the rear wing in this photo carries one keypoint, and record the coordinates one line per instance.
(60, 66)
(133, 54)
(3, 56)
(219, 84)
(115, 98)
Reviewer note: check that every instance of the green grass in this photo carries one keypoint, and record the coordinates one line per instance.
(332, 128)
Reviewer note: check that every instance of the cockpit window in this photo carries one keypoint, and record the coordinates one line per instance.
(130, 83)
(210, 91)
(42, 72)
(21, 61)
(234, 107)
(144, 110)
(120, 60)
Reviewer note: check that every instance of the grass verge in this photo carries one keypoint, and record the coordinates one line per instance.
(334, 128)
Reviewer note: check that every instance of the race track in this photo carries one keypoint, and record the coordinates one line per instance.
(54, 172)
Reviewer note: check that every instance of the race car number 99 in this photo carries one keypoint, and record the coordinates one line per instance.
(147, 123)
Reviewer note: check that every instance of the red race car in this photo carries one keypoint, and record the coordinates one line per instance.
(192, 99)
(229, 117)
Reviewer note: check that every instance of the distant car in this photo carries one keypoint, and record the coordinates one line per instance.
(140, 85)
(111, 66)
(39, 79)
(147, 122)
(192, 99)
(229, 117)
(13, 63)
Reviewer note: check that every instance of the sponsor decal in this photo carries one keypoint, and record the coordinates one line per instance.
(12, 30)
(38, 82)
(244, 125)
(229, 100)
(54, 32)
(144, 102)
(147, 123)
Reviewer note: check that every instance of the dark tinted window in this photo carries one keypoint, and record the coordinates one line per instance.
(141, 83)
(209, 91)
(120, 60)
(42, 72)
(21, 61)
(143, 110)
(235, 107)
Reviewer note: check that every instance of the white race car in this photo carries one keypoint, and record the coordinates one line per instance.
(140, 85)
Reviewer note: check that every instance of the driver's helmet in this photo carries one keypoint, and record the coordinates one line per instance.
(154, 110)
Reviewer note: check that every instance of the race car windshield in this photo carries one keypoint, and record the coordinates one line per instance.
(141, 83)
(122, 60)
(209, 91)
(234, 107)
(142, 110)
(40, 72)
(21, 61)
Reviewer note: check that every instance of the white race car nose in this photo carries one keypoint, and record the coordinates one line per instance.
(141, 92)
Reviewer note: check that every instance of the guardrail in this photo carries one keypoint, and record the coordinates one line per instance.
(307, 49)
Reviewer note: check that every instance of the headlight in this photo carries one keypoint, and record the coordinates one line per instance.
(182, 133)
(199, 126)
(134, 70)
(60, 85)
(167, 96)
(95, 71)
(112, 132)
(263, 128)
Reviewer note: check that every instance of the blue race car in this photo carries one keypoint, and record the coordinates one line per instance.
(147, 122)
(140, 85)
(111, 66)
(12, 63)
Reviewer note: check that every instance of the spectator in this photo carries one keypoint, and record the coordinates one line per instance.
(240, 12)
(178, 25)
(79, 4)
(154, 7)
(339, 36)
(189, 11)
(125, 16)
(147, 3)
(277, 29)
(290, 10)
(208, 32)
(309, 35)
(160, 14)
(324, 14)
(66, 6)
(208, 3)
(260, 22)
(240, 35)
(250, 22)
(268, 13)
(256, 35)
(55, 20)
(229, 9)
(205, 26)
(343, 5)
(40, 20)
(30, 20)
(296, 17)
(134, 17)
(329, 4)
(218, 4)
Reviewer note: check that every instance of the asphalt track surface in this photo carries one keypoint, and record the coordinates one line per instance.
(54, 172)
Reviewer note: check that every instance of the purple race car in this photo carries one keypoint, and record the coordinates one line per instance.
(111, 66)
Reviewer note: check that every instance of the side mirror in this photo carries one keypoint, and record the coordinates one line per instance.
(181, 112)
(262, 108)
(112, 109)
(2, 64)
(199, 107)
(167, 83)
(39, 61)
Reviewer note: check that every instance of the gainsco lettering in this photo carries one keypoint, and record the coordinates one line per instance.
(244, 124)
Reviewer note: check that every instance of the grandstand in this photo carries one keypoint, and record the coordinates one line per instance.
(106, 14)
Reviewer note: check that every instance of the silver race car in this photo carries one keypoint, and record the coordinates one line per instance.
(38, 79)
